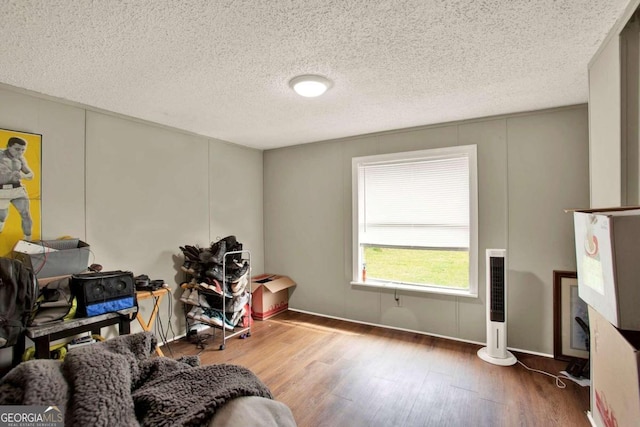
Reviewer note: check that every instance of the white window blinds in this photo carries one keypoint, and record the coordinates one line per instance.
(421, 202)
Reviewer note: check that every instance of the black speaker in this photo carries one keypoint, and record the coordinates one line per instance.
(101, 287)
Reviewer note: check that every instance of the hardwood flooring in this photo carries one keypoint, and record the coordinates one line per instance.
(334, 373)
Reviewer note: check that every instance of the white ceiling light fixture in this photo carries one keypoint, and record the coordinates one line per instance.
(310, 85)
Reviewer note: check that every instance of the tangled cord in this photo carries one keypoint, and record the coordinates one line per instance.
(164, 333)
(559, 382)
(201, 340)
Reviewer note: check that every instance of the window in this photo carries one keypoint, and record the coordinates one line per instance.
(415, 220)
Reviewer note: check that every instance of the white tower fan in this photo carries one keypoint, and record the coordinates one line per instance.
(496, 350)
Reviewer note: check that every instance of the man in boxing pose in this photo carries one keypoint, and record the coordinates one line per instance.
(13, 168)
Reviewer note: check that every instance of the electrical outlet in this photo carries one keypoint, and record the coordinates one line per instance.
(398, 301)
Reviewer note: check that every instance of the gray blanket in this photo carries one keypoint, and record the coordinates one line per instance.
(117, 383)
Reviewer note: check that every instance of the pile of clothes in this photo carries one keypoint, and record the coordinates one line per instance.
(222, 261)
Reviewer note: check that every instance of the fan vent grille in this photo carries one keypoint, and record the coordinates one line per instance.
(496, 276)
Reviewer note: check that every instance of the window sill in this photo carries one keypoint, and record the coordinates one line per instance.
(415, 288)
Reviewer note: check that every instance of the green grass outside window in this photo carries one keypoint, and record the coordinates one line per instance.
(419, 266)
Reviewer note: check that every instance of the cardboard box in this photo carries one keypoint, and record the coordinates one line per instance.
(269, 295)
(615, 370)
(608, 263)
(55, 257)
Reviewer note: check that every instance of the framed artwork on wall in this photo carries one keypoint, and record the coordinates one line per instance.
(570, 323)
(20, 188)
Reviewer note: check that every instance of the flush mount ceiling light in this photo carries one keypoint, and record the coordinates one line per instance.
(310, 85)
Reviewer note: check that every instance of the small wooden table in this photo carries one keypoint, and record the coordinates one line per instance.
(43, 335)
(157, 296)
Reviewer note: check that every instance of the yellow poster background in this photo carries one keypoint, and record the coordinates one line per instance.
(12, 231)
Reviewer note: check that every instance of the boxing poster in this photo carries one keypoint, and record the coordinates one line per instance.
(20, 188)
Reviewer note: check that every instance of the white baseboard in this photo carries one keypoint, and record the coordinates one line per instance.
(535, 353)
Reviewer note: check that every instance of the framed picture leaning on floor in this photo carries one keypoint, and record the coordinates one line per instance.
(570, 337)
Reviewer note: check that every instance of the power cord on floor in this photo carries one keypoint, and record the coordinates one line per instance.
(201, 340)
(559, 382)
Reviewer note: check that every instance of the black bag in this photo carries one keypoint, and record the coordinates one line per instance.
(103, 292)
(18, 293)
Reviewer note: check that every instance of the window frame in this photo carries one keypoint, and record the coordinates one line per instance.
(470, 151)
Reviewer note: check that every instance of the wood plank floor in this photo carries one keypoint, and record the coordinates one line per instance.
(334, 373)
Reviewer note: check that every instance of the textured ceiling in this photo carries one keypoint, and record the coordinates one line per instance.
(221, 68)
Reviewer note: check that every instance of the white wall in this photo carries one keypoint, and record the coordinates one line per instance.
(530, 168)
(613, 115)
(604, 120)
(136, 191)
